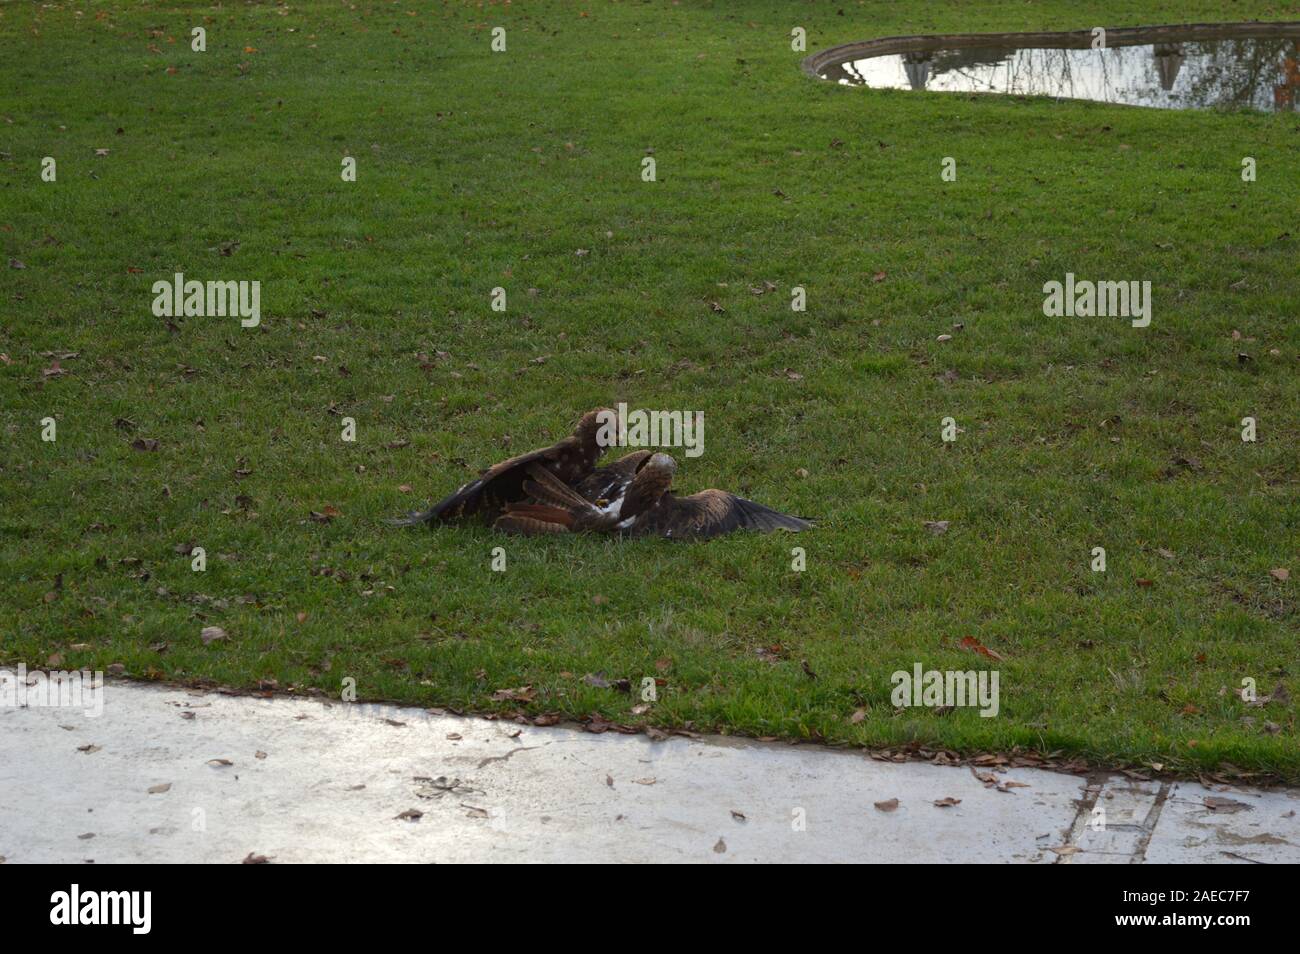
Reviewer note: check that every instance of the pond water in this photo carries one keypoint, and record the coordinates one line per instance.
(1227, 73)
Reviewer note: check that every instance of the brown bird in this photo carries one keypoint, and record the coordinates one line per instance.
(632, 497)
(614, 496)
(486, 498)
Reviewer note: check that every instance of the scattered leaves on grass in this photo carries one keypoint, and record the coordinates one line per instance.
(1278, 695)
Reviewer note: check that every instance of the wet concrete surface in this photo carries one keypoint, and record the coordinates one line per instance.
(172, 775)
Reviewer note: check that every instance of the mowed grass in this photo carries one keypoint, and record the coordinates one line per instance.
(480, 169)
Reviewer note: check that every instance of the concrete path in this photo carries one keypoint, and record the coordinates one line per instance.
(170, 775)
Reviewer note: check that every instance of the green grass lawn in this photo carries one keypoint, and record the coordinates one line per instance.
(480, 169)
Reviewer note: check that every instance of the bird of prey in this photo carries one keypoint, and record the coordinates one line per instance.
(632, 497)
(485, 499)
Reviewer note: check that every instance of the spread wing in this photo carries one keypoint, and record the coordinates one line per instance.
(711, 513)
(487, 496)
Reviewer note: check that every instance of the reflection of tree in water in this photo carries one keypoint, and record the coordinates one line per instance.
(1237, 73)
(1260, 73)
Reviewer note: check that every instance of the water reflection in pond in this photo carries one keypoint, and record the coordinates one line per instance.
(1204, 74)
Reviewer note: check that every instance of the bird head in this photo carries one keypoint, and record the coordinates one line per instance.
(597, 430)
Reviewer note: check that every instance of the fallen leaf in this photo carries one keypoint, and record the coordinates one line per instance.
(947, 802)
(887, 806)
(159, 789)
(975, 646)
(1281, 574)
(1226, 806)
(325, 515)
(211, 634)
(521, 694)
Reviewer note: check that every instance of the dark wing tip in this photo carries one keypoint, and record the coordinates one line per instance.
(754, 516)
(412, 519)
